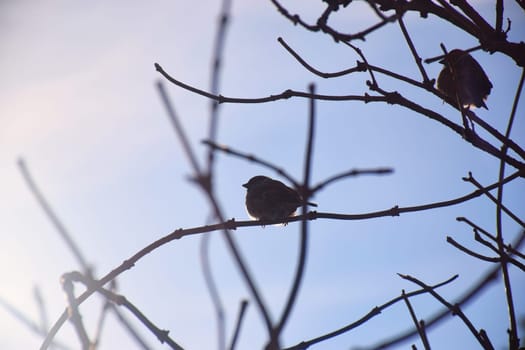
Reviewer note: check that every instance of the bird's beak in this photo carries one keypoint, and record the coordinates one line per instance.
(245, 185)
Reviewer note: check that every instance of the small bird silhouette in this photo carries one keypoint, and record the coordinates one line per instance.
(463, 77)
(269, 199)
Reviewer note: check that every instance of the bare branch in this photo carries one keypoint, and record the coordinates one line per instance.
(372, 313)
(454, 309)
(470, 252)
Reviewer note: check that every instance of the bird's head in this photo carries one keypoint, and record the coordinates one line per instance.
(256, 181)
(452, 57)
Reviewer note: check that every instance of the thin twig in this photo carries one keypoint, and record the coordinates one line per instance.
(178, 128)
(411, 45)
(372, 313)
(486, 192)
(74, 313)
(470, 252)
(220, 38)
(351, 173)
(358, 68)
(57, 223)
(454, 309)
(463, 300)
(360, 53)
(252, 158)
(420, 329)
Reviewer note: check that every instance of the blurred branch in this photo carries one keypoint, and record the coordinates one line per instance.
(372, 313)
(240, 318)
(162, 335)
(454, 309)
(213, 291)
(44, 322)
(68, 238)
(28, 323)
(419, 326)
(100, 324)
(220, 38)
(73, 311)
(204, 182)
(57, 223)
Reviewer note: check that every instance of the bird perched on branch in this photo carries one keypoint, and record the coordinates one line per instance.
(463, 78)
(269, 199)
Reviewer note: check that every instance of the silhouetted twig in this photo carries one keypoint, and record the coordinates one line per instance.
(121, 300)
(470, 252)
(486, 192)
(463, 300)
(454, 309)
(372, 313)
(351, 173)
(411, 45)
(252, 158)
(419, 326)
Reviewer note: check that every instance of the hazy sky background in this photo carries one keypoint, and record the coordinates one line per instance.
(79, 104)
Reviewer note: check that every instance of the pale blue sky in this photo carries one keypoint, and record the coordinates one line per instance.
(78, 102)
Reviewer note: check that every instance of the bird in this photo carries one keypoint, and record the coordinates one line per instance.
(462, 77)
(269, 199)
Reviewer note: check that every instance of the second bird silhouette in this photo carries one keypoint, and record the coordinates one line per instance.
(463, 77)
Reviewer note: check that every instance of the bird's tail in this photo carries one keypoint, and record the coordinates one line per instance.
(312, 204)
